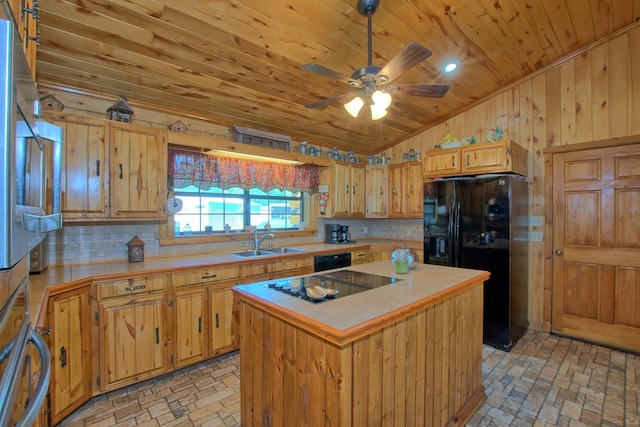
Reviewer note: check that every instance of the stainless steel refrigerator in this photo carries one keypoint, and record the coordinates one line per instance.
(482, 223)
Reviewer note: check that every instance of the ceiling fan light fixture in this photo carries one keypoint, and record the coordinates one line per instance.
(353, 107)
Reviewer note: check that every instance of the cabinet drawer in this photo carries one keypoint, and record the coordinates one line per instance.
(133, 286)
(261, 268)
(360, 257)
(204, 276)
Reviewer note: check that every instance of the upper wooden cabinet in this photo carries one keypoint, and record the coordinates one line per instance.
(405, 190)
(112, 170)
(377, 194)
(25, 17)
(493, 157)
(346, 183)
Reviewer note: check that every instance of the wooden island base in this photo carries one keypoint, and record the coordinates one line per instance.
(422, 368)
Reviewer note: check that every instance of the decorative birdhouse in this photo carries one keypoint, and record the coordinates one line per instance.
(178, 127)
(120, 111)
(49, 102)
(135, 250)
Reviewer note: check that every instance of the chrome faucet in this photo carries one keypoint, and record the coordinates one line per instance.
(257, 241)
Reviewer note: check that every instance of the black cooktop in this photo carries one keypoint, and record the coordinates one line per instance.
(330, 285)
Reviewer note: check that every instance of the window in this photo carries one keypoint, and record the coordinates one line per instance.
(210, 211)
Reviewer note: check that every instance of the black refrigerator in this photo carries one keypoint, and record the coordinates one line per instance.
(482, 223)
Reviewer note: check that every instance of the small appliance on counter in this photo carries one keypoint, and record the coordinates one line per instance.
(336, 234)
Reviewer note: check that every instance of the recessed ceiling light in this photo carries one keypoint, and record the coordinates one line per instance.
(450, 67)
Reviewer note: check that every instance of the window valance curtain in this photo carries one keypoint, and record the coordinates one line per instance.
(205, 171)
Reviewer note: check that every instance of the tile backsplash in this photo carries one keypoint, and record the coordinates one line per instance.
(84, 244)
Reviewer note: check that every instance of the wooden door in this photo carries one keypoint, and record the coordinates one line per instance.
(415, 198)
(377, 183)
(68, 316)
(85, 168)
(596, 245)
(397, 195)
(138, 172)
(357, 178)
(132, 339)
(221, 321)
(341, 190)
(190, 343)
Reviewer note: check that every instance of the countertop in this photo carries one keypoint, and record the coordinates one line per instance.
(343, 320)
(72, 275)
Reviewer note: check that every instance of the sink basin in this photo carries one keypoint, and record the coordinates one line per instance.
(251, 253)
(283, 250)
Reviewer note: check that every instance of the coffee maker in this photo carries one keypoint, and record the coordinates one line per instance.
(336, 233)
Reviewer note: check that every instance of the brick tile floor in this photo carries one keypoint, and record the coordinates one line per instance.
(544, 381)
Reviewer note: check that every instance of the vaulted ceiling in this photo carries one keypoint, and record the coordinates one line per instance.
(238, 61)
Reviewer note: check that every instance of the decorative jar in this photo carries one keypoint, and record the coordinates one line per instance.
(403, 260)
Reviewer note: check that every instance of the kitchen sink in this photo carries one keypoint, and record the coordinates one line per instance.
(251, 253)
(262, 252)
(283, 250)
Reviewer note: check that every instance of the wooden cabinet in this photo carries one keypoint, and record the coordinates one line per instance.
(138, 171)
(112, 170)
(69, 340)
(405, 190)
(85, 174)
(203, 314)
(491, 157)
(377, 191)
(268, 270)
(132, 330)
(346, 183)
(25, 17)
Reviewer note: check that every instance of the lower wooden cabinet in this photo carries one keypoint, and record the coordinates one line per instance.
(68, 322)
(132, 339)
(221, 322)
(189, 326)
(360, 256)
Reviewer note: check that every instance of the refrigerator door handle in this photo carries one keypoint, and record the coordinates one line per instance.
(450, 234)
(456, 236)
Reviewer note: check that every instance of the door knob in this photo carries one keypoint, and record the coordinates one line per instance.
(559, 252)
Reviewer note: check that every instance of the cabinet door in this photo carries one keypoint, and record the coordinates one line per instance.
(132, 340)
(442, 162)
(484, 158)
(68, 316)
(190, 344)
(397, 186)
(377, 183)
(221, 325)
(138, 172)
(341, 190)
(85, 170)
(415, 191)
(357, 177)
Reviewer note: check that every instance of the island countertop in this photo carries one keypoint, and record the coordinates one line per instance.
(345, 319)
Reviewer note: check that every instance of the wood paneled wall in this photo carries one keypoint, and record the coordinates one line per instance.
(592, 96)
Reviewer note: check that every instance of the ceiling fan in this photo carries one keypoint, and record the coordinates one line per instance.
(373, 83)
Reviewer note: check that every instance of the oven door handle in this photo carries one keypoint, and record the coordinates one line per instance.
(39, 394)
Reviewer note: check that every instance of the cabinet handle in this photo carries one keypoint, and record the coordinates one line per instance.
(157, 335)
(353, 190)
(97, 167)
(393, 191)
(63, 357)
(411, 188)
(381, 191)
(468, 160)
(217, 320)
(211, 276)
(347, 189)
(453, 161)
(199, 325)
(120, 165)
(134, 288)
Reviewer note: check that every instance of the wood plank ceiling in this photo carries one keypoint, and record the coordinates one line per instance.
(238, 61)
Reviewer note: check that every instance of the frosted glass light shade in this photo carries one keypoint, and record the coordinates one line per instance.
(381, 99)
(353, 107)
(377, 113)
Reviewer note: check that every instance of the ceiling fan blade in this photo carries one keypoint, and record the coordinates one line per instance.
(426, 90)
(323, 71)
(328, 101)
(411, 55)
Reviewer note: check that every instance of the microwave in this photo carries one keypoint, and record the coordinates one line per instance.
(30, 157)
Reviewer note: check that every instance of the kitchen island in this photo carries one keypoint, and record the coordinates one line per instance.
(408, 353)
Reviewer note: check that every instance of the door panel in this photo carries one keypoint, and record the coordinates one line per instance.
(596, 263)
